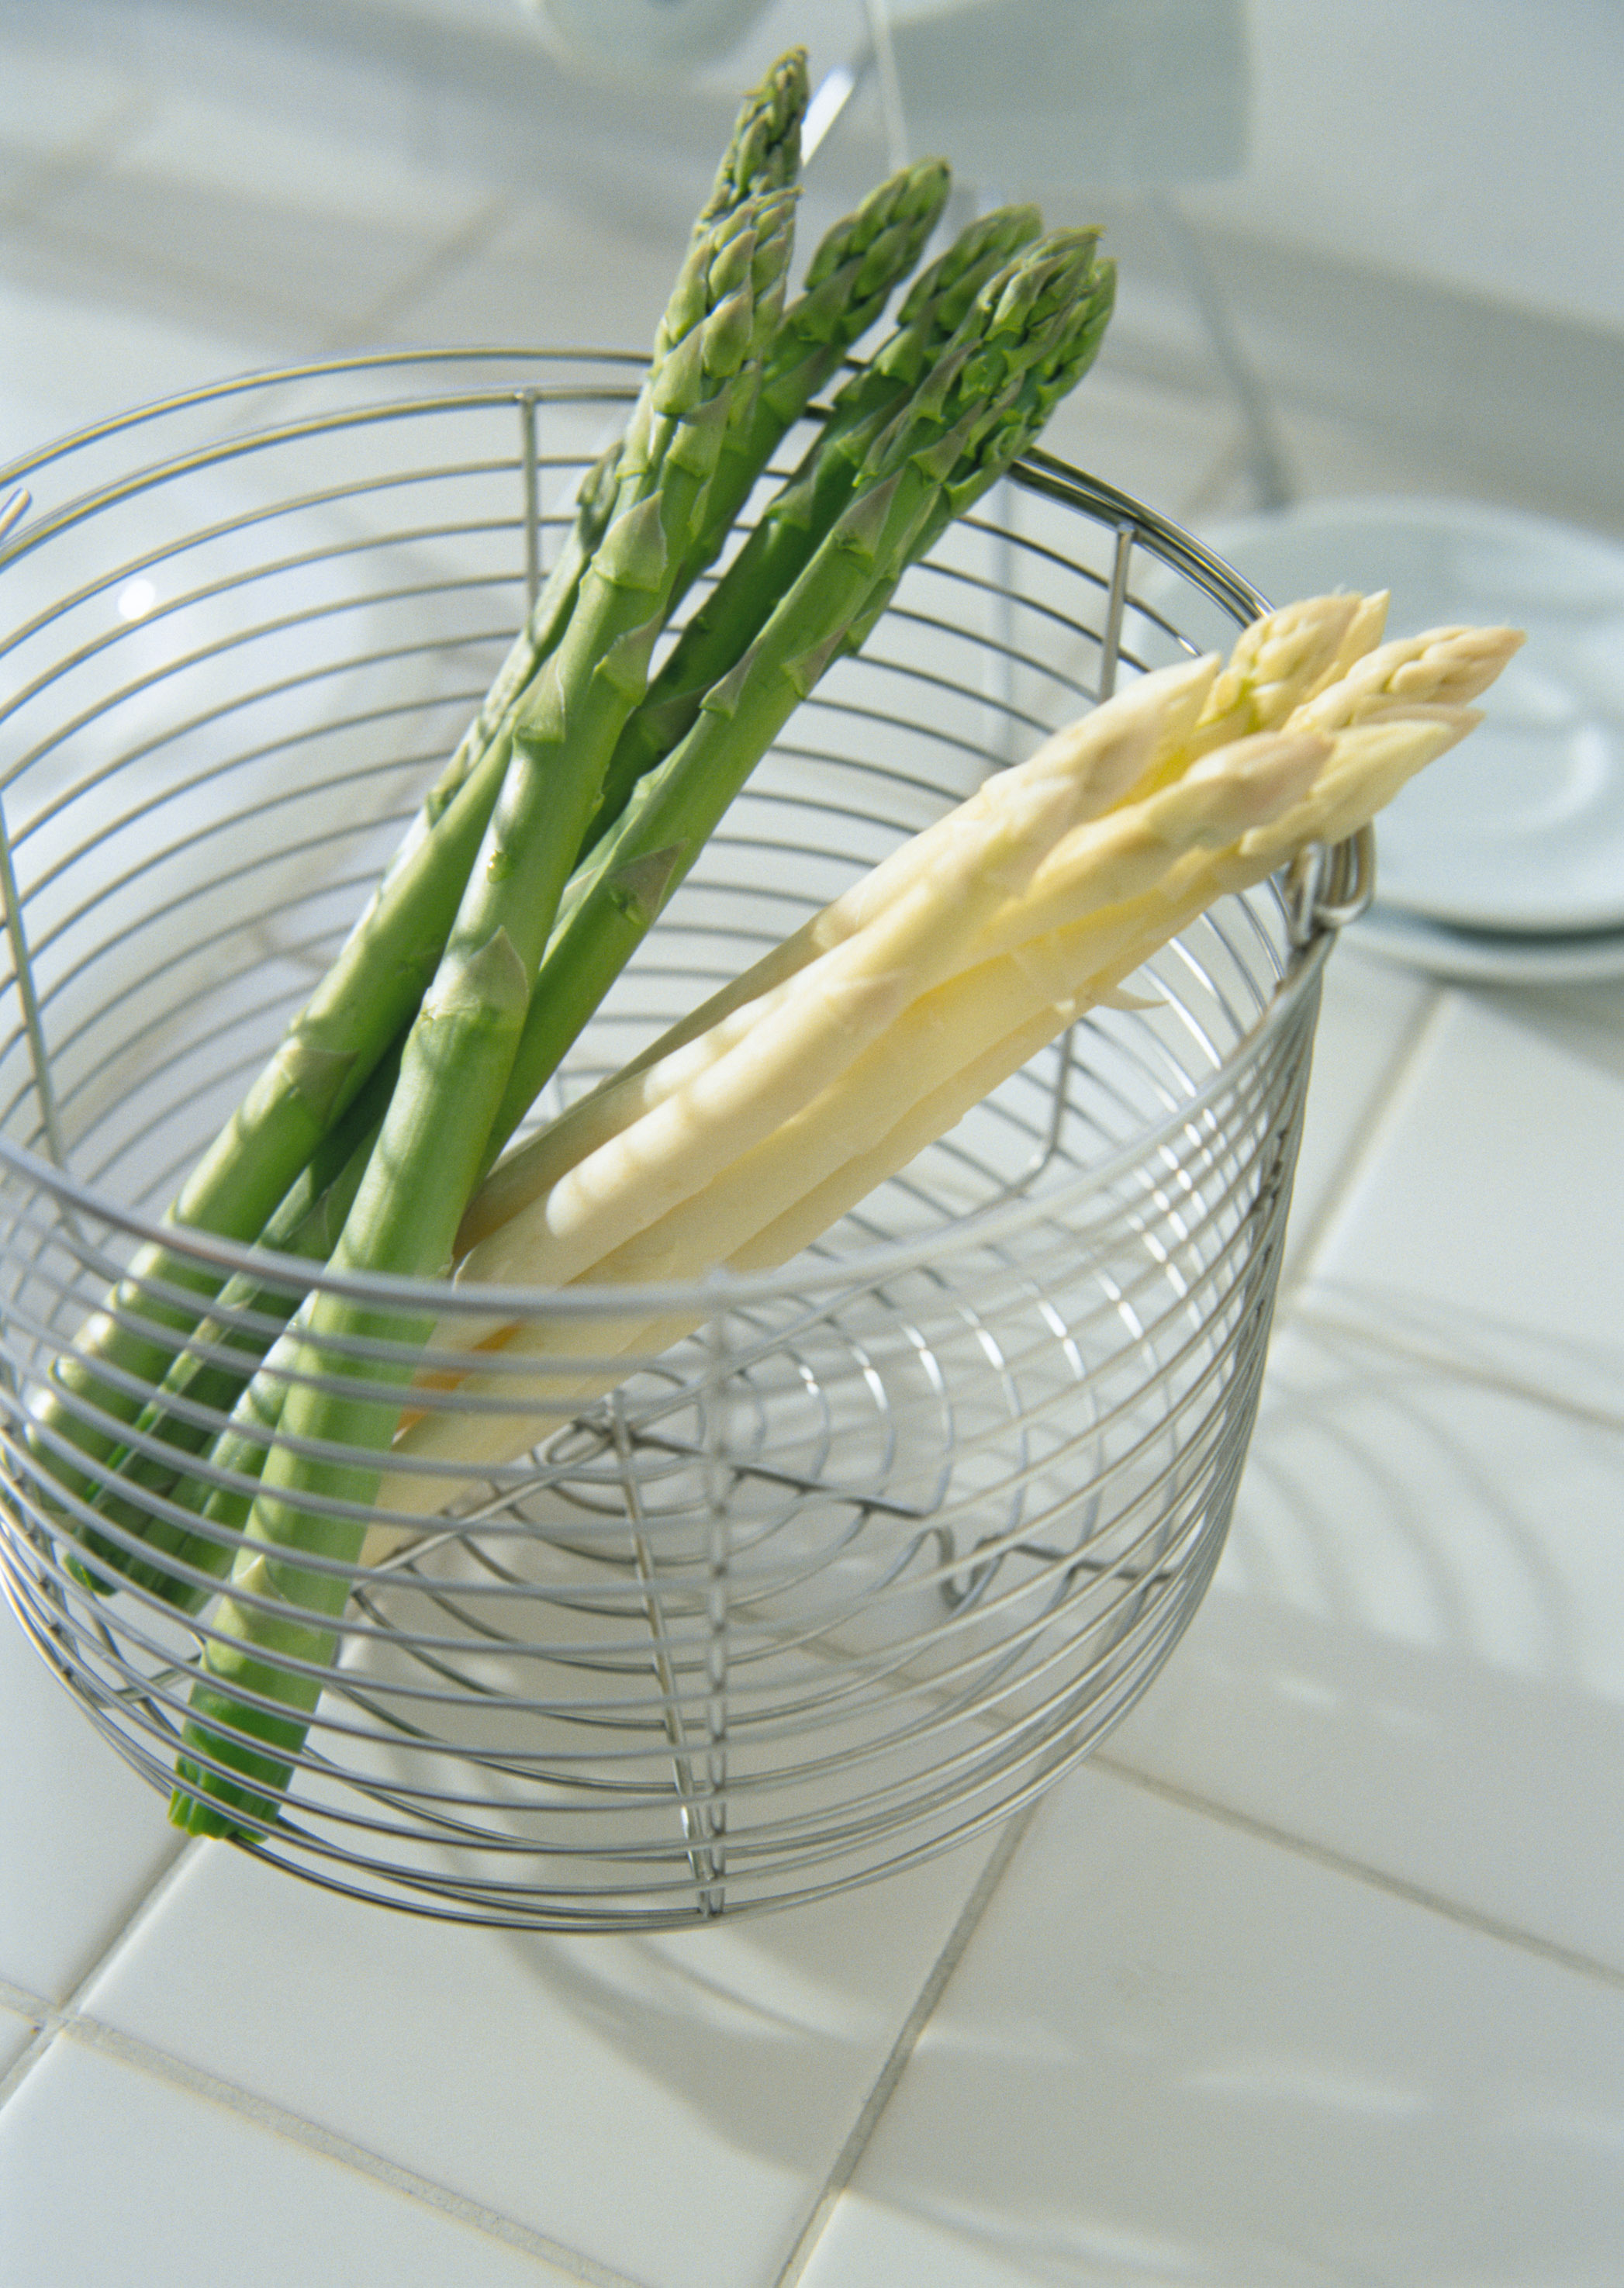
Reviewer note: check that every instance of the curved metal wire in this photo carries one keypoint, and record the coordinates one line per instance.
(806, 1576)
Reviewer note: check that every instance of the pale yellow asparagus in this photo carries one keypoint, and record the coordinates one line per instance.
(1146, 735)
(1135, 878)
(1081, 770)
(801, 1036)
(1365, 632)
(1043, 985)
(775, 1057)
(1277, 661)
(1060, 978)
(935, 1034)
(1446, 667)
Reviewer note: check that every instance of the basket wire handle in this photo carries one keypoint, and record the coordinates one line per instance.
(1326, 888)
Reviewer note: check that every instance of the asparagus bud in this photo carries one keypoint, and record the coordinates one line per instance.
(764, 152)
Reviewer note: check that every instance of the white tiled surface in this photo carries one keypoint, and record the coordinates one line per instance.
(77, 1857)
(188, 2189)
(1175, 2052)
(669, 2107)
(1488, 1218)
(1316, 1979)
(16, 2033)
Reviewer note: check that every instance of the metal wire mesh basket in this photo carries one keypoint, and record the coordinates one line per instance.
(803, 1576)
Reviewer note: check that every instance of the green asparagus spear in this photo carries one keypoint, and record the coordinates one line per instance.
(937, 304)
(975, 413)
(806, 507)
(1050, 378)
(370, 996)
(764, 154)
(433, 1144)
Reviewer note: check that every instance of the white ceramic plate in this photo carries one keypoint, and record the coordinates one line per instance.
(1486, 958)
(1521, 828)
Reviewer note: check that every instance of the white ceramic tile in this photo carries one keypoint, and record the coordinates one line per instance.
(1175, 2052)
(1412, 1652)
(184, 2192)
(1369, 1016)
(16, 2032)
(1587, 1020)
(82, 1839)
(1487, 1221)
(667, 2105)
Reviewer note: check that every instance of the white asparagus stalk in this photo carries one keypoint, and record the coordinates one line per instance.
(1090, 764)
(1277, 663)
(929, 1045)
(534, 1406)
(1445, 667)
(802, 1037)
(1364, 632)
(977, 1009)
(1144, 736)
(1374, 760)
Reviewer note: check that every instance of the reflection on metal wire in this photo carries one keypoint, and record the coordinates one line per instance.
(897, 1535)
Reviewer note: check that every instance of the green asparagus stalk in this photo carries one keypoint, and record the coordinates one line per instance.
(847, 284)
(457, 1059)
(364, 1005)
(940, 296)
(152, 1488)
(764, 151)
(763, 155)
(849, 280)
(806, 508)
(972, 417)
(348, 1024)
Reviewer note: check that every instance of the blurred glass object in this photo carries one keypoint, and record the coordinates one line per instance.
(628, 38)
(1098, 94)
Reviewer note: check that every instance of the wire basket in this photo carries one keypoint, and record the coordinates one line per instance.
(801, 1577)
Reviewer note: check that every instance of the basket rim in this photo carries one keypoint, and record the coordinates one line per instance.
(719, 1291)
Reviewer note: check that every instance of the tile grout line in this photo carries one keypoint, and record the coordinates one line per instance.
(1363, 1145)
(53, 2017)
(1339, 1863)
(844, 2164)
(67, 2018)
(44, 2016)
(263, 2114)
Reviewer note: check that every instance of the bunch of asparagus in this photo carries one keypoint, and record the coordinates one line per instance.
(568, 814)
(747, 1130)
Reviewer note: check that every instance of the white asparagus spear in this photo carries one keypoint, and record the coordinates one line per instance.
(1096, 760)
(804, 1035)
(982, 1019)
(932, 1039)
(1445, 667)
(1146, 735)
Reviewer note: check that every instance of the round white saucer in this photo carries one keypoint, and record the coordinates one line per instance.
(1489, 956)
(1521, 828)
